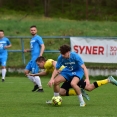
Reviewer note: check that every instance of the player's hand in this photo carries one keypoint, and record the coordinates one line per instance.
(51, 83)
(31, 74)
(27, 74)
(25, 50)
(87, 81)
(5, 47)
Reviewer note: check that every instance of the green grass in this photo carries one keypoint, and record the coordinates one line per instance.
(17, 100)
(18, 25)
(57, 27)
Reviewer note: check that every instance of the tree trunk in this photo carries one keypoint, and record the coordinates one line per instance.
(1, 2)
(46, 7)
(86, 9)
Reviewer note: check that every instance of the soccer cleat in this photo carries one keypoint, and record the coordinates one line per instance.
(112, 80)
(3, 80)
(84, 94)
(82, 104)
(49, 102)
(35, 88)
(40, 90)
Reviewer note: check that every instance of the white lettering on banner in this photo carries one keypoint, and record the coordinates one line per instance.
(98, 50)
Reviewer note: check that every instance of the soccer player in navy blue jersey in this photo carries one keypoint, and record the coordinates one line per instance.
(4, 45)
(36, 48)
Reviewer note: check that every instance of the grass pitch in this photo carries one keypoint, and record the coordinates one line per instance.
(17, 100)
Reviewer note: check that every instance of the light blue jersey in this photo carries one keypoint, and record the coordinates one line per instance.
(3, 52)
(73, 66)
(35, 45)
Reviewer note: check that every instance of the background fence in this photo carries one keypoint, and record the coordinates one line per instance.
(19, 43)
(18, 59)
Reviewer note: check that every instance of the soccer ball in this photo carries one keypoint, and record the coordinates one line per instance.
(56, 100)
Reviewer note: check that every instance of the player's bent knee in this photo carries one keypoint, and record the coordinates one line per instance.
(73, 84)
(89, 88)
(57, 81)
(62, 92)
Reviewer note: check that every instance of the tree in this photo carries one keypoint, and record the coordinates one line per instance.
(46, 7)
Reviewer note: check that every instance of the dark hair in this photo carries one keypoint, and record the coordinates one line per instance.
(33, 26)
(64, 48)
(40, 59)
(1, 30)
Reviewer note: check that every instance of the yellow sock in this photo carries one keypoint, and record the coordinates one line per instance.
(102, 82)
(72, 92)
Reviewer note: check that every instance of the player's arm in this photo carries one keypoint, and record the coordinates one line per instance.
(54, 64)
(42, 49)
(86, 74)
(51, 82)
(43, 73)
(8, 46)
(54, 74)
(27, 50)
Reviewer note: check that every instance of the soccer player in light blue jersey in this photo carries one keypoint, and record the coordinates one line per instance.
(74, 71)
(4, 45)
(36, 48)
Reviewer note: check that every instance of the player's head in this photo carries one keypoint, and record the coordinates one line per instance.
(40, 61)
(33, 30)
(65, 50)
(1, 33)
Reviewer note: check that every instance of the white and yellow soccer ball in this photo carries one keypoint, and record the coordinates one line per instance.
(56, 100)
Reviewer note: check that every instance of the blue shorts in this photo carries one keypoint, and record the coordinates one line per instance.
(3, 60)
(68, 75)
(32, 66)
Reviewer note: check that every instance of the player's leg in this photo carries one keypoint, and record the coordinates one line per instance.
(99, 83)
(74, 83)
(82, 85)
(3, 62)
(64, 89)
(35, 69)
(27, 70)
(59, 79)
(67, 90)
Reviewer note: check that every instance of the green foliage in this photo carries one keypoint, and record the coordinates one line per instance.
(17, 100)
(100, 10)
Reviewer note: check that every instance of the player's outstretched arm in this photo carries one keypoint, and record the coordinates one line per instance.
(27, 50)
(54, 74)
(43, 73)
(86, 74)
(42, 49)
(8, 46)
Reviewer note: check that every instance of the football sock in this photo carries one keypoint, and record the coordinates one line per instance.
(100, 82)
(38, 82)
(80, 98)
(3, 73)
(71, 92)
(31, 78)
(56, 94)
